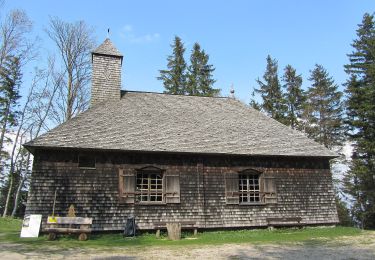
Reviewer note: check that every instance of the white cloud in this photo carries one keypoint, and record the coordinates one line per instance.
(127, 34)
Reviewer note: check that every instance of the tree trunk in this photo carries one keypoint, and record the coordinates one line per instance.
(16, 199)
(3, 130)
(69, 106)
(8, 196)
(39, 127)
(19, 188)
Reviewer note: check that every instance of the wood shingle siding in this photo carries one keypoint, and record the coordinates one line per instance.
(303, 189)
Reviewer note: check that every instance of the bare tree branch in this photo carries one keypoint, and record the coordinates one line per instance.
(74, 42)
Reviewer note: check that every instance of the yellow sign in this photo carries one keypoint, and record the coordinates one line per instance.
(52, 219)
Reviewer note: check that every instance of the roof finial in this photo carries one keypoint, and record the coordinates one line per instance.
(231, 95)
(108, 33)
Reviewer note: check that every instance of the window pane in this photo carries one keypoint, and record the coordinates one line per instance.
(249, 188)
(150, 185)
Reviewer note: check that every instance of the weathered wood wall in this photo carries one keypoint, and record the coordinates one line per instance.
(304, 189)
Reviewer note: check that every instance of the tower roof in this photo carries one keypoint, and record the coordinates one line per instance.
(107, 48)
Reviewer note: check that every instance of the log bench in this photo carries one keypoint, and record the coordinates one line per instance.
(68, 225)
(284, 222)
(184, 225)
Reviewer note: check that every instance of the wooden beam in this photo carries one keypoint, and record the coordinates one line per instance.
(69, 220)
(67, 230)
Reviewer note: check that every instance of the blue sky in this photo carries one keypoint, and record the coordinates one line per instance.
(238, 35)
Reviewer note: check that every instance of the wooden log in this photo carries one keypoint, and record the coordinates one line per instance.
(174, 231)
(67, 230)
(82, 237)
(51, 236)
(69, 220)
(85, 227)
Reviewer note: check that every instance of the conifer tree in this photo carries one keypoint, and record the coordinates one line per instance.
(360, 89)
(174, 78)
(324, 108)
(253, 103)
(10, 80)
(294, 96)
(200, 80)
(270, 90)
(194, 70)
(206, 78)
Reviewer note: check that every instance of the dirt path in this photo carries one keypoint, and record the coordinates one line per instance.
(358, 247)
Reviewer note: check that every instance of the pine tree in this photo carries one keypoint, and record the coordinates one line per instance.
(194, 70)
(253, 103)
(174, 78)
(343, 213)
(10, 80)
(323, 111)
(200, 80)
(294, 96)
(273, 103)
(206, 78)
(360, 88)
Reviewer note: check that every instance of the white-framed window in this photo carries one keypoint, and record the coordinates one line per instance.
(249, 187)
(149, 186)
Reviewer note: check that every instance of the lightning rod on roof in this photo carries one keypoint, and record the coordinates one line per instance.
(231, 95)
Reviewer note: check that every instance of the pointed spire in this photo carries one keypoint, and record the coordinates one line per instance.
(107, 48)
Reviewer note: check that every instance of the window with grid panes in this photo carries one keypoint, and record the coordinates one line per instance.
(149, 186)
(249, 188)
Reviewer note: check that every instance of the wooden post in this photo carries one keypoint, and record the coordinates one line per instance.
(82, 237)
(51, 236)
(174, 231)
(54, 203)
(158, 233)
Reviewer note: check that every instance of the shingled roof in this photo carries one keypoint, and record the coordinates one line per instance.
(156, 122)
(107, 48)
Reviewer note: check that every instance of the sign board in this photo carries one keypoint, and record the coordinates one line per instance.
(31, 226)
(51, 219)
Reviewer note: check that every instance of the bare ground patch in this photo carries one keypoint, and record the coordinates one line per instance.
(350, 247)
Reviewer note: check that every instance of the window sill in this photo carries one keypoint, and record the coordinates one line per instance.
(150, 203)
(87, 168)
(253, 204)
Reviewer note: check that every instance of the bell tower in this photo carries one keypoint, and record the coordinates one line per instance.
(106, 73)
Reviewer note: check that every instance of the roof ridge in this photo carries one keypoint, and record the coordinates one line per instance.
(169, 94)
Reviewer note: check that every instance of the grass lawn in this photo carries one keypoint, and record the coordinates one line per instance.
(10, 230)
